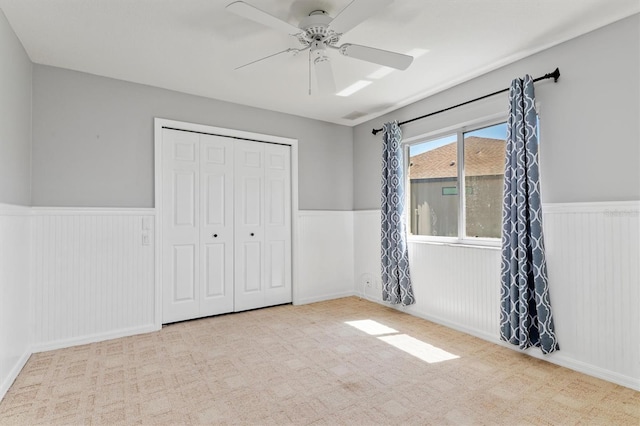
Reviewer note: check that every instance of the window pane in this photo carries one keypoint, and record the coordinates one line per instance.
(484, 152)
(433, 184)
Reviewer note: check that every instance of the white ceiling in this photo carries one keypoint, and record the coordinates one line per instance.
(193, 46)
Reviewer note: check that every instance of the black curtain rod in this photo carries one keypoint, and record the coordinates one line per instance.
(555, 75)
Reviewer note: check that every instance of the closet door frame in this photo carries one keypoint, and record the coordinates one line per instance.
(162, 123)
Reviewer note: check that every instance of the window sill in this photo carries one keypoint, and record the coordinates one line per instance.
(490, 244)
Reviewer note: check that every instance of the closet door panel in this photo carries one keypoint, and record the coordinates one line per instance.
(251, 278)
(217, 227)
(276, 265)
(277, 224)
(180, 225)
(185, 195)
(249, 227)
(215, 272)
(251, 201)
(184, 280)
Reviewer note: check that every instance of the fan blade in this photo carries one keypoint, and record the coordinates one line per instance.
(324, 76)
(245, 10)
(377, 56)
(356, 12)
(267, 57)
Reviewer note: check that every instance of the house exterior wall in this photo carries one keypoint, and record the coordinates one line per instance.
(431, 212)
(434, 211)
(483, 202)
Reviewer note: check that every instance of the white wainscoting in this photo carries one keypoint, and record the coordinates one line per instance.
(593, 260)
(73, 276)
(454, 285)
(458, 286)
(93, 278)
(593, 257)
(367, 270)
(14, 292)
(324, 249)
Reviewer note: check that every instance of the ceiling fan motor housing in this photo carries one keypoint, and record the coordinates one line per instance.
(315, 27)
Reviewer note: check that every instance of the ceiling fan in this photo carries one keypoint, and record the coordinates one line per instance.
(319, 32)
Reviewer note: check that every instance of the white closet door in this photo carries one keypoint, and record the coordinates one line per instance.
(249, 225)
(277, 224)
(180, 225)
(216, 225)
(226, 225)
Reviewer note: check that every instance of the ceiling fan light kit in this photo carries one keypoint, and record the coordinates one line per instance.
(319, 32)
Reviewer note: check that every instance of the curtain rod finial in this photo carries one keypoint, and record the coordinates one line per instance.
(375, 131)
(556, 75)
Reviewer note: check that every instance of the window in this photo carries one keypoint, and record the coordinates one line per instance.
(439, 167)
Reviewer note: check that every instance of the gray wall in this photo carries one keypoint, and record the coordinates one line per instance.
(589, 120)
(93, 141)
(15, 118)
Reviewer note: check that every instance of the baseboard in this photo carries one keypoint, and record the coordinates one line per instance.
(370, 298)
(562, 360)
(13, 374)
(93, 338)
(557, 358)
(449, 324)
(322, 298)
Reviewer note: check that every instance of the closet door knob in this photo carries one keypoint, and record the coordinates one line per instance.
(252, 234)
(215, 235)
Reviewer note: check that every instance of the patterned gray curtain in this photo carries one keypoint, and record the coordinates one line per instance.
(396, 281)
(525, 315)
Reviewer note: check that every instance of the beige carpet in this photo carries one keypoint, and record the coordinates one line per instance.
(306, 365)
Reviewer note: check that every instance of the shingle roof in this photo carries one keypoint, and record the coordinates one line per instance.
(484, 156)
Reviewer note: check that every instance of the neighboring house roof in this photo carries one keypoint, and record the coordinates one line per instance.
(484, 156)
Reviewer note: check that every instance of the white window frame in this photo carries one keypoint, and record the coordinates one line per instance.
(459, 130)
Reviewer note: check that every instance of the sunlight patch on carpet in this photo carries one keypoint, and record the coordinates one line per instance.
(418, 348)
(374, 328)
(421, 350)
